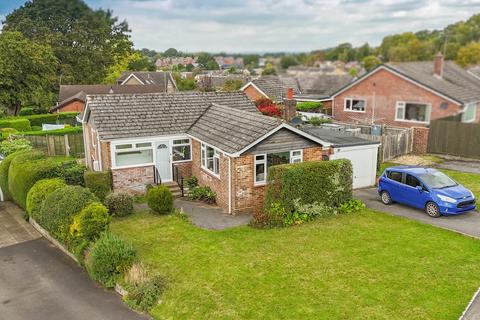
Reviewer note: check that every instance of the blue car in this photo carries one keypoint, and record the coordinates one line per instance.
(425, 188)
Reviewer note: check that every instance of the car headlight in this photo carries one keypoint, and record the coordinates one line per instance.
(446, 199)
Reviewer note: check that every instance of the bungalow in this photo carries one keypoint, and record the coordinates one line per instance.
(218, 137)
(410, 94)
(159, 78)
(270, 87)
(73, 97)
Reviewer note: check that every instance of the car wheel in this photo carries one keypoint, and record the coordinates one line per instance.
(431, 208)
(386, 199)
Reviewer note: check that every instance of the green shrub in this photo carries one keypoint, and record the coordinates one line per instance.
(327, 182)
(317, 121)
(352, 205)
(145, 295)
(160, 199)
(203, 193)
(309, 106)
(99, 182)
(16, 123)
(60, 207)
(26, 111)
(6, 132)
(4, 172)
(190, 182)
(57, 132)
(39, 192)
(119, 204)
(36, 128)
(51, 118)
(90, 222)
(73, 174)
(28, 168)
(109, 258)
(8, 147)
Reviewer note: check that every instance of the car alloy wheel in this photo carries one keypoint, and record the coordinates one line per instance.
(432, 210)
(386, 199)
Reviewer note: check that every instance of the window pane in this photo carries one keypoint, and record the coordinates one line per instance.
(144, 145)
(210, 152)
(217, 165)
(400, 113)
(134, 157)
(274, 159)
(296, 153)
(260, 172)
(348, 104)
(397, 176)
(123, 146)
(259, 158)
(416, 112)
(412, 181)
(181, 153)
(469, 113)
(358, 105)
(210, 164)
(181, 141)
(204, 158)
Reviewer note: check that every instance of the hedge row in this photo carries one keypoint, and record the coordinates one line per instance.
(4, 170)
(18, 124)
(39, 119)
(57, 132)
(327, 182)
(99, 182)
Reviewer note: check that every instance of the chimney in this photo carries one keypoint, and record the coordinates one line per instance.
(438, 65)
(289, 106)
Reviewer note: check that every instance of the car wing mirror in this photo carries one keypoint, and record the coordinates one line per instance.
(419, 188)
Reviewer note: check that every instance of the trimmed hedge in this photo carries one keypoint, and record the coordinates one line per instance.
(4, 170)
(160, 199)
(19, 124)
(57, 132)
(309, 106)
(327, 182)
(51, 118)
(99, 182)
(110, 257)
(39, 192)
(60, 207)
(119, 204)
(90, 222)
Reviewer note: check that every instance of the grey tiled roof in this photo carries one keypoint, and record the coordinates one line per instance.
(274, 86)
(455, 82)
(324, 85)
(156, 114)
(475, 71)
(149, 77)
(231, 129)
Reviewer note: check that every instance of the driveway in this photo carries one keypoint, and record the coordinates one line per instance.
(39, 282)
(462, 166)
(467, 223)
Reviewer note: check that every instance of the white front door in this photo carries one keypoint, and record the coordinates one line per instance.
(163, 160)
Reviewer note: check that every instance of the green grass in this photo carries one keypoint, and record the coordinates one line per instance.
(367, 265)
(468, 180)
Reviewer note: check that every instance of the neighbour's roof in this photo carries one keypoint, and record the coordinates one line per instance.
(455, 82)
(274, 86)
(475, 71)
(118, 116)
(149, 77)
(336, 138)
(230, 129)
(323, 85)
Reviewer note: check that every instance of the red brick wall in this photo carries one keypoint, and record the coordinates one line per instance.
(74, 106)
(132, 180)
(106, 156)
(420, 140)
(184, 168)
(389, 88)
(253, 93)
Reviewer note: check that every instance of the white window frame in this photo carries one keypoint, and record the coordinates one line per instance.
(181, 145)
(403, 105)
(292, 159)
(470, 105)
(133, 148)
(204, 158)
(351, 103)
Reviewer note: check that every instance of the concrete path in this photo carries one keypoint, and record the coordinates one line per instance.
(13, 228)
(462, 166)
(473, 310)
(466, 223)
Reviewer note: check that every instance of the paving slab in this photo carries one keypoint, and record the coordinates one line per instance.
(13, 227)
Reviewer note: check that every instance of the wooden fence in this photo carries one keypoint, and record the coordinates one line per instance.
(454, 138)
(66, 145)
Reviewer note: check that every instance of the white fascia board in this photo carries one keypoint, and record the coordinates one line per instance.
(257, 88)
(128, 78)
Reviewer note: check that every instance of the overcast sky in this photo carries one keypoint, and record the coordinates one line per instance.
(274, 25)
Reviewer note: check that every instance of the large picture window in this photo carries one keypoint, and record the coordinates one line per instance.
(210, 159)
(132, 154)
(415, 112)
(181, 150)
(356, 105)
(264, 161)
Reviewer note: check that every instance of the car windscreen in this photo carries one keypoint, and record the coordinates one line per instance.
(436, 180)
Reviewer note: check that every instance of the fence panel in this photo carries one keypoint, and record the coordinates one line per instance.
(65, 145)
(454, 138)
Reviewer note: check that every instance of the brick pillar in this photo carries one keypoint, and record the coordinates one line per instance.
(289, 106)
(420, 140)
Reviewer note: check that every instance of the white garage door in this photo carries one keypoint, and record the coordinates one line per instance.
(364, 163)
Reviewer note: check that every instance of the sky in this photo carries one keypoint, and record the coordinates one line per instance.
(274, 25)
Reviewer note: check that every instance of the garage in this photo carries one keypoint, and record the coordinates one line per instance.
(361, 152)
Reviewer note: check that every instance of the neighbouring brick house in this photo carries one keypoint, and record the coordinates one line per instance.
(218, 137)
(159, 78)
(271, 87)
(73, 97)
(410, 94)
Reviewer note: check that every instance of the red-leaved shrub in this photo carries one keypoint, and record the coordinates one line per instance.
(268, 108)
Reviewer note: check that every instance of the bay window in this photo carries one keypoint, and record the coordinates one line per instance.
(181, 150)
(131, 154)
(356, 105)
(210, 159)
(414, 112)
(264, 161)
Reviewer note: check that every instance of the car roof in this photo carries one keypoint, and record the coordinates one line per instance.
(411, 169)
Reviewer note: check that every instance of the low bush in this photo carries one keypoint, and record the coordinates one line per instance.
(144, 295)
(4, 171)
(6, 132)
(327, 182)
(352, 205)
(203, 193)
(8, 147)
(26, 111)
(51, 118)
(39, 192)
(18, 124)
(90, 222)
(310, 106)
(56, 132)
(190, 182)
(60, 207)
(99, 182)
(109, 258)
(160, 199)
(119, 204)
(73, 173)
(279, 217)
(317, 121)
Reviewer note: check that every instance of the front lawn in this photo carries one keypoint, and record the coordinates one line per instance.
(367, 265)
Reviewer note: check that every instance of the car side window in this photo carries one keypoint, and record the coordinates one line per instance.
(394, 175)
(412, 181)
